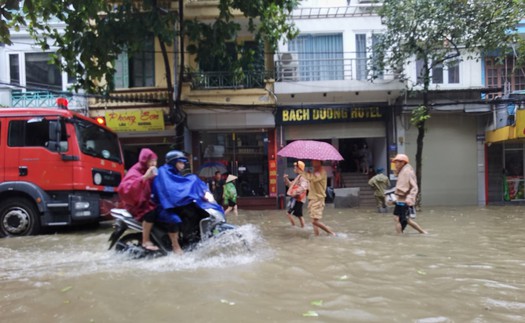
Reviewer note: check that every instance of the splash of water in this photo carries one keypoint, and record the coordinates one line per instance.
(42, 258)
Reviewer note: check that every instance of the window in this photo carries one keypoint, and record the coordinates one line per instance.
(142, 66)
(32, 133)
(453, 72)
(420, 72)
(219, 64)
(365, 45)
(437, 73)
(136, 69)
(320, 56)
(14, 69)
(71, 79)
(492, 77)
(447, 73)
(377, 73)
(499, 76)
(519, 79)
(258, 55)
(40, 74)
(360, 45)
(97, 141)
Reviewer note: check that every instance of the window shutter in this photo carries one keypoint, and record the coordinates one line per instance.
(121, 77)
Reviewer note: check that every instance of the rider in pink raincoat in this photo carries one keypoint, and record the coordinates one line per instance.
(135, 192)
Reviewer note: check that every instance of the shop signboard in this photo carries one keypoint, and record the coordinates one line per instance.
(292, 115)
(131, 120)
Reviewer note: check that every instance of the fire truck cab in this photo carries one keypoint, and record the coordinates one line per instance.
(57, 168)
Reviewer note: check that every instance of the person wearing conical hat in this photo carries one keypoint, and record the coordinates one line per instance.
(230, 195)
(379, 183)
(406, 192)
(316, 196)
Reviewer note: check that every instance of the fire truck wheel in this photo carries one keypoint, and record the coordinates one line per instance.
(18, 217)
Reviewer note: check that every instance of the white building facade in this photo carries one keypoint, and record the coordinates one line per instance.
(327, 89)
(28, 79)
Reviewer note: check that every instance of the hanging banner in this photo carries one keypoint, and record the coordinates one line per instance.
(135, 120)
(272, 172)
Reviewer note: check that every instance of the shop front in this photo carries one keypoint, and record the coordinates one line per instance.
(353, 129)
(505, 153)
(241, 144)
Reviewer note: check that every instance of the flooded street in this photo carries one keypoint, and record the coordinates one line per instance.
(469, 268)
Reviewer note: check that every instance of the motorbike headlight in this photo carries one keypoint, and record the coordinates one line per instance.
(209, 197)
(215, 215)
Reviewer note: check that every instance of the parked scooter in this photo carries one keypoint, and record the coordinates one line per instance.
(206, 224)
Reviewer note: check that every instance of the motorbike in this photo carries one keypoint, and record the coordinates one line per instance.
(206, 223)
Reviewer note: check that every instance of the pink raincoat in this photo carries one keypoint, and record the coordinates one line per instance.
(134, 191)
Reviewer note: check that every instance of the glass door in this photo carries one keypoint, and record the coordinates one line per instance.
(514, 181)
(244, 154)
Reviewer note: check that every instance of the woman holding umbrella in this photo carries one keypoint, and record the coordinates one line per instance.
(316, 196)
(316, 151)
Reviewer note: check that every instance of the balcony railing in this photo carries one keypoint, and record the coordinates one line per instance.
(35, 99)
(320, 70)
(290, 67)
(131, 97)
(363, 8)
(228, 80)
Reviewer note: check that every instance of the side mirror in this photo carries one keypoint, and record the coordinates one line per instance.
(55, 130)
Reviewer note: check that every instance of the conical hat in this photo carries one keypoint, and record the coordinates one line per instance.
(231, 178)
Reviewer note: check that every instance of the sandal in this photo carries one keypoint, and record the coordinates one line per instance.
(150, 246)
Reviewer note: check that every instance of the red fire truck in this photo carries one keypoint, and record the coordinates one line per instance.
(57, 168)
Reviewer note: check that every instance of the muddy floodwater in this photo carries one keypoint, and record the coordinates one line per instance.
(469, 268)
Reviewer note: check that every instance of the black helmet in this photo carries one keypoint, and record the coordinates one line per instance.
(174, 156)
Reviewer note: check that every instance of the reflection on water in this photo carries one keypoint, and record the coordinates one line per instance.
(469, 268)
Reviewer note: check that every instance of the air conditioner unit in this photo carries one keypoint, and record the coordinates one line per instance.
(369, 9)
(288, 59)
(369, 6)
(288, 66)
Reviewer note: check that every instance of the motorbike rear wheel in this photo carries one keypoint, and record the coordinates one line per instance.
(129, 241)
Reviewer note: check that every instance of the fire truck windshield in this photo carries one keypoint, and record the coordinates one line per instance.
(97, 141)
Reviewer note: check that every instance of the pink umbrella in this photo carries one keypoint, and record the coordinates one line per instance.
(310, 149)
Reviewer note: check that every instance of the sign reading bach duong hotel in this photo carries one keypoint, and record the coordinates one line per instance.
(323, 114)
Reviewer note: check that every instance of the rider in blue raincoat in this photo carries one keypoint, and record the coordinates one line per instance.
(181, 199)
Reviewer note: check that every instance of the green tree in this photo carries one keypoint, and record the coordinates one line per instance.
(437, 32)
(97, 31)
(7, 19)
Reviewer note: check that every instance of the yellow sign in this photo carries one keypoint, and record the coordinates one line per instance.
(135, 120)
(520, 123)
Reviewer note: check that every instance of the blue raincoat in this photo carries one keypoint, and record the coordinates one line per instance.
(170, 189)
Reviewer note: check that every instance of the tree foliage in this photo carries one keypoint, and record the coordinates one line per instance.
(97, 31)
(438, 31)
(267, 21)
(8, 19)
